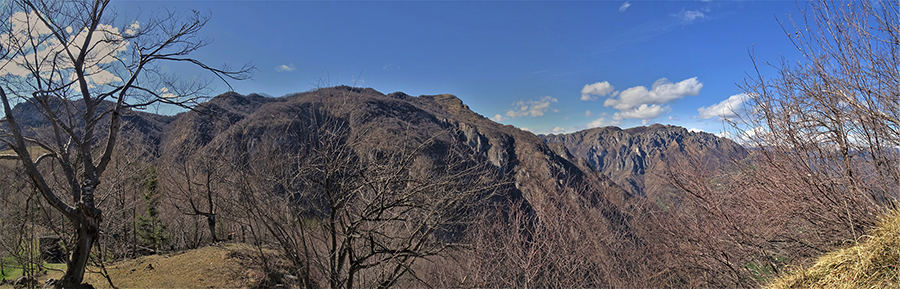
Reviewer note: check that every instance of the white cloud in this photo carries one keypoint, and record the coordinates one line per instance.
(164, 93)
(601, 122)
(754, 132)
(533, 108)
(690, 15)
(624, 6)
(559, 129)
(497, 118)
(286, 68)
(695, 130)
(22, 21)
(588, 113)
(133, 29)
(46, 56)
(643, 112)
(662, 91)
(592, 91)
(725, 109)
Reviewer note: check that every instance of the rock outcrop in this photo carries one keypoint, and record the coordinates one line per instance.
(636, 158)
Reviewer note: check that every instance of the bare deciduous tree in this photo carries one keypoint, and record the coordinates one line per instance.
(824, 132)
(833, 116)
(350, 217)
(193, 183)
(571, 240)
(70, 64)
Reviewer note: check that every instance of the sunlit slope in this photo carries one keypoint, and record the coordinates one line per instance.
(873, 263)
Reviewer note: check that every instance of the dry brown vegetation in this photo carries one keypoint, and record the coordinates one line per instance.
(81, 115)
(871, 263)
(219, 266)
(346, 187)
(823, 163)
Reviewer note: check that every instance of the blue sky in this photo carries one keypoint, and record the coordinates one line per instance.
(547, 66)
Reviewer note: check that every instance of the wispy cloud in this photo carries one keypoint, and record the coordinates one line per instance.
(132, 29)
(286, 68)
(560, 129)
(624, 6)
(725, 109)
(498, 118)
(592, 91)
(533, 108)
(602, 122)
(688, 16)
(746, 137)
(164, 93)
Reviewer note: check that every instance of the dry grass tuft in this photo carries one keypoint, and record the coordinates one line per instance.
(873, 263)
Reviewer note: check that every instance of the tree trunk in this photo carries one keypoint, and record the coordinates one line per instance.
(211, 221)
(87, 222)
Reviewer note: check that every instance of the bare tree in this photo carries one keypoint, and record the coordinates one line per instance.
(824, 163)
(121, 194)
(19, 213)
(349, 216)
(561, 243)
(834, 115)
(69, 63)
(193, 183)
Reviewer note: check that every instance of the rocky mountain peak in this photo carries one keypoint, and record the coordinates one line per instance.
(635, 158)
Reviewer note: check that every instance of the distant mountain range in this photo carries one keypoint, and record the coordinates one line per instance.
(616, 164)
(619, 173)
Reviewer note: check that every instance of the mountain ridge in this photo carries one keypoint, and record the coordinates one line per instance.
(601, 176)
(627, 155)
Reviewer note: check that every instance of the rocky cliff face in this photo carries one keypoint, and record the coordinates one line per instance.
(636, 158)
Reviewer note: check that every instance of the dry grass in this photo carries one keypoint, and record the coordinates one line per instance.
(209, 267)
(873, 263)
(35, 152)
